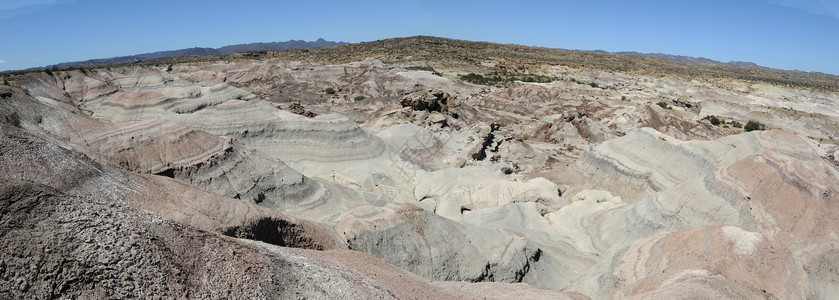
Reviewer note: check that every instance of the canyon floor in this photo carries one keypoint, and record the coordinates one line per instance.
(361, 172)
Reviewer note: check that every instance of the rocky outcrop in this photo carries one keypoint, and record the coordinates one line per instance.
(429, 100)
(300, 110)
(61, 246)
(575, 185)
(56, 245)
(436, 248)
(109, 238)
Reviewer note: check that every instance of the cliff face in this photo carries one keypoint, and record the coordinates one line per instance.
(267, 179)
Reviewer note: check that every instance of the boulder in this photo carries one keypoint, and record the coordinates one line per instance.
(429, 100)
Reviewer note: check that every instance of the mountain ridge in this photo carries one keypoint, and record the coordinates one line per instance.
(691, 59)
(203, 51)
(477, 56)
(444, 53)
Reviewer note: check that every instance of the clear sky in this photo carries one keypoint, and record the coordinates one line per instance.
(786, 34)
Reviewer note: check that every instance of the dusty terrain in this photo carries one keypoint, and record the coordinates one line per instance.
(358, 172)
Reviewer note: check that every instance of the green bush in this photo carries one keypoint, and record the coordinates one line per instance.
(753, 125)
(330, 91)
(501, 78)
(358, 98)
(473, 78)
(662, 105)
(713, 119)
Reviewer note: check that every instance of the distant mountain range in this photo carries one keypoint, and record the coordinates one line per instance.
(691, 59)
(291, 44)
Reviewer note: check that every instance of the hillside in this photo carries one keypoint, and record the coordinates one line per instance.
(378, 170)
(482, 57)
(457, 57)
(291, 44)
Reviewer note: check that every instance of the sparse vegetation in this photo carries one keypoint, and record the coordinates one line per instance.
(713, 119)
(518, 112)
(503, 77)
(623, 98)
(359, 98)
(329, 91)
(475, 78)
(753, 125)
(525, 57)
(435, 51)
(664, 106)
(426, 68)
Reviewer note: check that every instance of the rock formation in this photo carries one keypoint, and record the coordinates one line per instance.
(429, 100)
(379, 181)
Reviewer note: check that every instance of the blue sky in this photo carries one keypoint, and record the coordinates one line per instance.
(786, 34)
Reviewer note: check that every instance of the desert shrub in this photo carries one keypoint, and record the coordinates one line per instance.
(664, 106)
(330, 91)
(713, 119)
(502, 78)
(735, 124)
(474, 78)
(623, 98)
(358, 98)
(13, 119)
(753, 125)
(426, 68)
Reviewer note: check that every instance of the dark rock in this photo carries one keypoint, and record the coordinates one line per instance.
(300, 110)
(428, 100)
